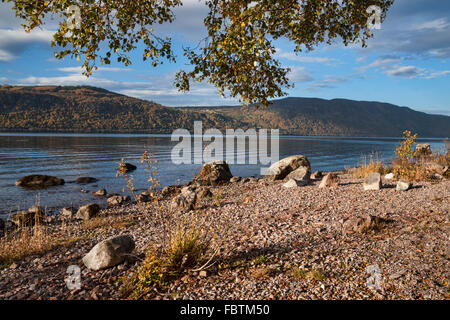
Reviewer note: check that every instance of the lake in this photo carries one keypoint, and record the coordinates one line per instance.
(70, 156)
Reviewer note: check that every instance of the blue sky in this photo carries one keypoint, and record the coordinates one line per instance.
(407, 63)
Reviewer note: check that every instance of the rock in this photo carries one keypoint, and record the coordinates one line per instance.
(100, 193)
(245, 180)
(279, 170)
(186, 200)
(170, 190)
(67, 213)
(294, 183)
(213, 173)
(39, 181)
(301, 174)
(144, 197)
(204, 193)
(116, 200)
(87, 211)
(127, 167)
(85, 180)
(362, 224)
(28, 217)
(423, 150)
(373, 182)
(316, 175)
(436, 168)
(389, 176)
(436, 176)
(203, 274)
(109, 253)
(235, 179)
(330, 180)
(403, 185)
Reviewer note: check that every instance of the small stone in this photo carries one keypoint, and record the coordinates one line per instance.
(293, 183)
(85, 180)
(330, 180)
(100, 193)
(67, 213)
(403, 185)
(389, 176)
(127, 167)
(87, 211)
(203, 274)
(373, 182)
(144, 197)
(316, 175)
(116, 200)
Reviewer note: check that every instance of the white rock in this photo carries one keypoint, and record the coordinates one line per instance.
(372, 182)
(294, 183)
(389, 176)
(403, 185)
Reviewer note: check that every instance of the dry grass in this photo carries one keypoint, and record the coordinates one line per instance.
(107, 223)
(24, 242)
(368, 166)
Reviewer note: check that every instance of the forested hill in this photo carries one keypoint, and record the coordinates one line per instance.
(89, 109)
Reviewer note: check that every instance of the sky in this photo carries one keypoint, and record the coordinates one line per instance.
(407, 63)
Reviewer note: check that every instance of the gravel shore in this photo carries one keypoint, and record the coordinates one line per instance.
(277, 243)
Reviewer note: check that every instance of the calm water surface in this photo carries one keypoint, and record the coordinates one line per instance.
(70, 156)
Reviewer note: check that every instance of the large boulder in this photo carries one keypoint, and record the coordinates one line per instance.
(281, 169)
(87, 211)
(39, 181)
(301, 174)
(186, 200)
(213, 174)
(330, 180)
(28, 217)
(85, 180)
(373, 182)
(109, 252)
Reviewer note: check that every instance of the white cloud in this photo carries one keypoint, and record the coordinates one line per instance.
(436, 25)
(437, 74)
(299, 74)
(294, 57)
(405, 72)
(14, 42)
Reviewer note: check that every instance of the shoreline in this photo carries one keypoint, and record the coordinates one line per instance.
(279, 243)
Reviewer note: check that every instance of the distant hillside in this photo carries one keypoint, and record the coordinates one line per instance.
(90, 109)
